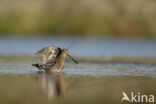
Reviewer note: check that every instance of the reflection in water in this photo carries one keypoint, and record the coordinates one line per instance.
(51, 84)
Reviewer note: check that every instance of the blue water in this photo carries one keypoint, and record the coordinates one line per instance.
(78, 83)
(80, 47)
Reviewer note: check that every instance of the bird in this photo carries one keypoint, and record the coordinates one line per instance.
(52, 59)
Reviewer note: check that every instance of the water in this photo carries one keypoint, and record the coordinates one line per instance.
(88, 82)
(80, 46)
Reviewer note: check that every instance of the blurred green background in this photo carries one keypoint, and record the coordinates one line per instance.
(110, 18)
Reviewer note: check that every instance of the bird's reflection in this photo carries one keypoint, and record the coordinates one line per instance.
(51, 84)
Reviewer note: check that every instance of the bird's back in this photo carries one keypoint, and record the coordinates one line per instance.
(49, 58)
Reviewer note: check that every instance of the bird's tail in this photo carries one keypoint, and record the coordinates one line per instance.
(36, 65)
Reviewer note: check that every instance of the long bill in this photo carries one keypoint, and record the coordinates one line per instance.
(72, 59)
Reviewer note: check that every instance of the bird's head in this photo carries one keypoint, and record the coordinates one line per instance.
(65, 51)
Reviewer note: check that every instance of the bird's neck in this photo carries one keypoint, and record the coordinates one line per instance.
(61, 57)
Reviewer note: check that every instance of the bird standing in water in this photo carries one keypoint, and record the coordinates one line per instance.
(52, 59)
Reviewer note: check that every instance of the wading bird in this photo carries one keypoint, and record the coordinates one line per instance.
(52, 59)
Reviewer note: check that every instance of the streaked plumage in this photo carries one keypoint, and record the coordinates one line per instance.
(52, 58)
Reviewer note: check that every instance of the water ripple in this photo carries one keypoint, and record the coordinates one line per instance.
(105, 69)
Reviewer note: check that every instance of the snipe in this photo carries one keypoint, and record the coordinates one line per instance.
(52, 59)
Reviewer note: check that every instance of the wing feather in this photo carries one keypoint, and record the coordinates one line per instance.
(49, 55)
(40, 51)
(45, 50)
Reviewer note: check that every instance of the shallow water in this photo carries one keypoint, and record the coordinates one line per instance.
(80, 47)
(88, 82)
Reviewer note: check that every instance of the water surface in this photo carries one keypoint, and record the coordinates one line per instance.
(80, 46)
(89, 82)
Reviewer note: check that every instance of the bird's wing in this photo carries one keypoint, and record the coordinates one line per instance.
(45, 50)
(51, 59)
(52, 54)
(40, 51)
(49, 55)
